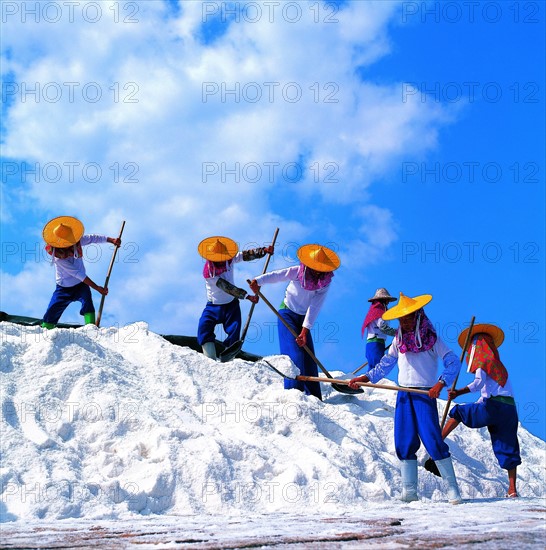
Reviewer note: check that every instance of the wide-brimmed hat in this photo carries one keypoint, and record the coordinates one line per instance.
(495, 332)
(63, 232)
(382, 294)
(218, 249)
(406, 305)
(318, 257)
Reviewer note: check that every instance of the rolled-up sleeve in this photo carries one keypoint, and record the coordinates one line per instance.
(479, 381)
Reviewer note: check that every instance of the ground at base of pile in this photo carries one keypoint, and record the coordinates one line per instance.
(479, 523)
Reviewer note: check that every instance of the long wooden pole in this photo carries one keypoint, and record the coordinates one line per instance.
(232, 351)
(292, 331)
(465, 347)
(360, 368)
(361, 384)
(247, 324)
(99, 314)
(364, 364)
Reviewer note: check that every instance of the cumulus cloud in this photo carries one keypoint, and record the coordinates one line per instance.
(269, 124)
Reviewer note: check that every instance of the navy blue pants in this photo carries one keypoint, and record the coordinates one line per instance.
(227, 315)
(501, 420)
(299, 356)
(374, 352)
(416, 420)
(64, 296)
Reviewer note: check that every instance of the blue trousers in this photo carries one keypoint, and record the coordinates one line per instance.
(63, 297)
(374, 352)
(416, 420)
(227, 315)
(299, 356)
(501, 420)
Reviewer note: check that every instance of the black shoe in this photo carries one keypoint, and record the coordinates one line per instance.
(431, 467)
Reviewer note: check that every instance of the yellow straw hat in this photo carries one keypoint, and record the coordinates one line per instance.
(217, 249)
(319, 258)
(406, 305)
(63, 231)
(495, 332)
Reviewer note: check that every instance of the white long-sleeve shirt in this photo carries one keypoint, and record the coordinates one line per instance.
(418, 370)
(296, 298)
(216, 295)
(71, 271)
(488, 387)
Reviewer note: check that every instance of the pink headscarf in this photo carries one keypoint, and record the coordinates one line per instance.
(375, 312)
(314, 280)
(215, 269)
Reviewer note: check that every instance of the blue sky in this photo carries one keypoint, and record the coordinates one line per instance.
(411, 141)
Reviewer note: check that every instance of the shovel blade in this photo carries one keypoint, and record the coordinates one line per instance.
(230, 353)
(345, 389)
(342, 388)
(431, 467)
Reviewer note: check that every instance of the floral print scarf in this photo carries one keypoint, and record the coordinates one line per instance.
(422, 338)
(485, 355)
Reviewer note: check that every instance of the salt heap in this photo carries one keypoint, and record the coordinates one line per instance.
(108, 423)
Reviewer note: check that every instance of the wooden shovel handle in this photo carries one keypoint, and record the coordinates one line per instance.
(465, 347)
(361, 384)
(99, 314)
(364, 364)
(251, 311)
(292, 331)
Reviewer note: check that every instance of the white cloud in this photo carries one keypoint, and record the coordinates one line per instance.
(165, 138)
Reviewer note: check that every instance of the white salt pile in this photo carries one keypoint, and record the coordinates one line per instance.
(107, 423)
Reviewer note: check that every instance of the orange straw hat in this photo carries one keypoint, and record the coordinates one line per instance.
(495, 332)
(63, 232)
(217, 249)
(319, 258)
(406, 305)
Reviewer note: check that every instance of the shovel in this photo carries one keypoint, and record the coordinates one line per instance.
(465, 347)
(429, 464)
(351, 375)
(335, 381)
(229, 353)
(99, 314)
(343, 387)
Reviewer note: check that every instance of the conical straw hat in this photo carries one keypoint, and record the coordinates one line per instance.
(217, 249)
(406, 305)
(63, 231)
(319, 258)
(495, 332)
(382, 294)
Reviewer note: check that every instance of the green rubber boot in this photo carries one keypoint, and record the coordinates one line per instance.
(89, 318)
(49, 326)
